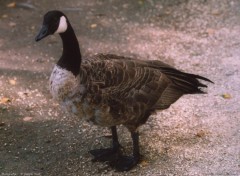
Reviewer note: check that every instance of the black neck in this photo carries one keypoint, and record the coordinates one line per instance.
(71, 56)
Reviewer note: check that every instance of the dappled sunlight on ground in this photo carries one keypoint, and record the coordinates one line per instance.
(198, 135)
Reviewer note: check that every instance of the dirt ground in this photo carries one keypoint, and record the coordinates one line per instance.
(198, 135)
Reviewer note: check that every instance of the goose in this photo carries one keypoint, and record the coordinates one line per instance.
(110, 90)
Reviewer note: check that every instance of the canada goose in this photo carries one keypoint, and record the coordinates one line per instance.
(110, 90)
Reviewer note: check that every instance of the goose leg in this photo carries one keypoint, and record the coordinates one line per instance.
(126, 163)
(108, 154)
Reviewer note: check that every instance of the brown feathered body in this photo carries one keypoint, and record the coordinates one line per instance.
(112, 90)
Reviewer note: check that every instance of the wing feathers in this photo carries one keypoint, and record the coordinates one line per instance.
(152, 83)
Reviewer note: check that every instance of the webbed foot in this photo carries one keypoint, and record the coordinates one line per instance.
(124, 163)
(113, 156)
(103, 155)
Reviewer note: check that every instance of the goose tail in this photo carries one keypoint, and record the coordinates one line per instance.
(186, 82)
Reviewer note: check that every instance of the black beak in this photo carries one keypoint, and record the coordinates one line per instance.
(42, 33)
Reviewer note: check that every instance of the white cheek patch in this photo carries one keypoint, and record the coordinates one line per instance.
(62, 27)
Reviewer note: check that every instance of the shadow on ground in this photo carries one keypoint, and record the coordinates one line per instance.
(198, 135)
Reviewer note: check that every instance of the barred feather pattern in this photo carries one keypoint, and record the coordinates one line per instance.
(112, 90)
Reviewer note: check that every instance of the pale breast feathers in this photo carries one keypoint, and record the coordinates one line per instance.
(63, 84)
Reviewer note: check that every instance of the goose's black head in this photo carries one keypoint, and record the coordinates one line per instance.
(54, 22)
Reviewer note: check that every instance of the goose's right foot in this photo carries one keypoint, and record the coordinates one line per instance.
(108, 154)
